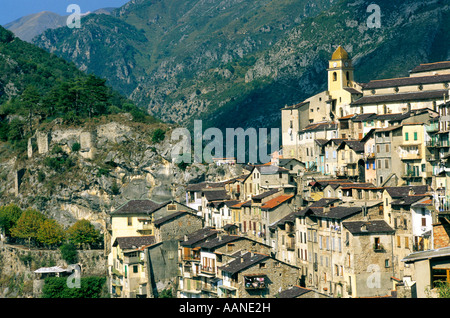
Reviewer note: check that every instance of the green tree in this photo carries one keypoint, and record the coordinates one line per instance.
(50, 232)
(82, 232)
(30, 100)
(69, 253)
(28, 225)
(9, 215)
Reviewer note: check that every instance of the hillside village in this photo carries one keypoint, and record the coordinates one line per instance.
(353, 205)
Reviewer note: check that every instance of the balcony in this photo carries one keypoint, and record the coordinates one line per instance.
(131, 259)
(411, 175)
(411, 153)
(208, 270)
(255, 282)
(343, 172)
(144, 225)
(432, 127)
(438, 143)
(378, 248)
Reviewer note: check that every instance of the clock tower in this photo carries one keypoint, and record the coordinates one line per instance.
(340, 71)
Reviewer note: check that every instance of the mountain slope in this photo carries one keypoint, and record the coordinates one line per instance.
(27, 27)
(235, 63)
(167, 42)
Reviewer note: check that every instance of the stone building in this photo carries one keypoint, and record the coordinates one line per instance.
(368, 259)
(256, 275)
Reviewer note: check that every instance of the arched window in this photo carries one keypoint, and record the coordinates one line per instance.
(347, 75)
(334, 76)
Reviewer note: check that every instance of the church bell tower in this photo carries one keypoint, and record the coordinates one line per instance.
(340, 70)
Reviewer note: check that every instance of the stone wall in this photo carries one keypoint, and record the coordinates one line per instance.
(18, 263)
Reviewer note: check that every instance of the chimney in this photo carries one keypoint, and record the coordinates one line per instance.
(411, 191)
(185, 237)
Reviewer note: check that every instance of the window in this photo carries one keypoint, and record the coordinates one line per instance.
(406, 242)
(415, 135)
(171, 207)
(440, 275)
(130, 221)
(334, 76)
(386, 263)
(135, 269)
(386, 163)
(406, 136)
(377, 244)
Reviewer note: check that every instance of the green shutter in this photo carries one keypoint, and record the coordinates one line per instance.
(406, 137)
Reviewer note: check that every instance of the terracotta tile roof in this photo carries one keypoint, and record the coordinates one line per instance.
(237, 206)
(276, 201)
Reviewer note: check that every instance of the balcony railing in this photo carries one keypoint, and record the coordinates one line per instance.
(208, 269)
(410, 155)
(437, 143)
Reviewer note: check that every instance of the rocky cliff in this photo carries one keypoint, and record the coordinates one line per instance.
(116, 161)
(236, 63)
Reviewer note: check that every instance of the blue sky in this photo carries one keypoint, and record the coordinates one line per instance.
(11, 10)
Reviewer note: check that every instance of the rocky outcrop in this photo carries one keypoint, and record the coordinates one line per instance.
(124, 164)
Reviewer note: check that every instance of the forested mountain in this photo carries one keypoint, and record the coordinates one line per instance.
(36, 87)
(27, 27)
(236, 63)
(167, 55)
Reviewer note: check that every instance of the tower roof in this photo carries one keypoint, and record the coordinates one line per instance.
(339, 54)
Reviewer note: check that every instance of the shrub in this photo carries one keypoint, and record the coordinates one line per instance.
(69, 253)
(115, 189)
(158, 135)
(76, 147)
(57, 287)
(41, 176)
